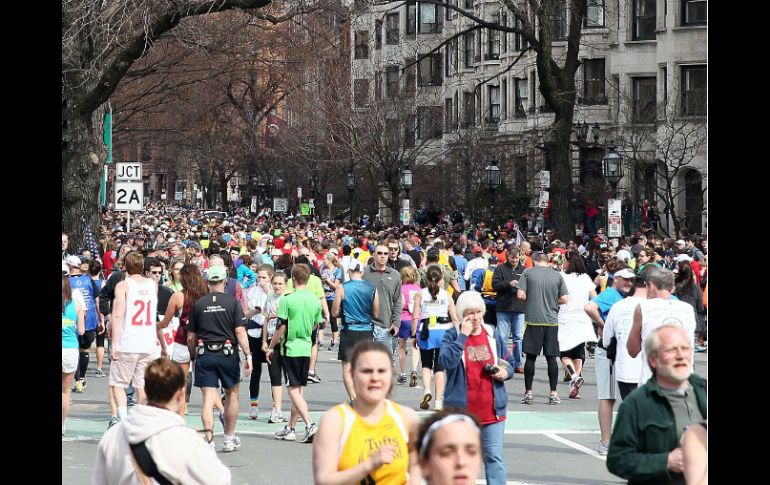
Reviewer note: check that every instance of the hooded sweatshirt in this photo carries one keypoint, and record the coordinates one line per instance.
(180, 453)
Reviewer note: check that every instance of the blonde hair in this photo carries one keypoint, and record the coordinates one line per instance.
(409, 274)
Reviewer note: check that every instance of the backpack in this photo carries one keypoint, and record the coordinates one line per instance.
(484, 286)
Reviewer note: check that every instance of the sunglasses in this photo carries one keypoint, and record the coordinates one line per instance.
(382, 253)
(156, 272)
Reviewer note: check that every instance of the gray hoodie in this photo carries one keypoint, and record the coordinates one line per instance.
(388, 284)
(180, 453)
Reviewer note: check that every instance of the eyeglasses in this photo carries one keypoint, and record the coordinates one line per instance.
(393, 249)
(382, 253)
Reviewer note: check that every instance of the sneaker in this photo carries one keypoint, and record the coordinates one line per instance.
(113, 421)
(320, 346)
(425, 400)
(100, 373)
(554, 399)
(701, 348)
(313, 377)
(231, 444)
(574, 392)
(286, 434)
(603, 447)
(275, 417)
(528, 399)
(130, 402)
(331, 347)
(401, 379)
(518, 370)
(254, 412)
(413, 379)
(439, 405)
(222, 417)
(310, 432)
(80, 386)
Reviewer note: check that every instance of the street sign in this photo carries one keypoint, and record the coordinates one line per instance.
(280, 205)
(406, 204)
(312, 203)
(128, 195)
(253, 204)
(405, 216)
(543, 200)
(544, 176)
(614, 227)
(329, 198)
(305, 208)
(299, 192)
(128, 171)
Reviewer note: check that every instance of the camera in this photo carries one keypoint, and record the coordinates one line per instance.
(491, 369)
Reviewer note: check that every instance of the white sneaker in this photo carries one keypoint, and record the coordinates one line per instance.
(286, 434)
(603, 448)
(276, 417)
(254, 412)
(439, 405)
(309, 433)
(231, 444)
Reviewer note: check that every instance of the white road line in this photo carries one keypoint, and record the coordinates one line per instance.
(572, 444)
(551, 431)
(481, 481)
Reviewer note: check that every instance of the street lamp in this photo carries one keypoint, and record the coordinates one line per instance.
(492, 181)
(612, 168)
(233, 195)
(406, 181)
(351, 182)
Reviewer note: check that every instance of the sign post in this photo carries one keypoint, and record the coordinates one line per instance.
(613, 218)
(129, 189)
(329, 199)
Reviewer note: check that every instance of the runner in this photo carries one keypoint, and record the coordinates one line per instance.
(450, 447)
(72, 325)
(409, 290)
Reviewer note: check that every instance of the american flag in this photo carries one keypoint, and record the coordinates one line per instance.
(90, 241)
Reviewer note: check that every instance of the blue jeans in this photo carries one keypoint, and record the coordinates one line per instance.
(504, 322)
(384, 336)
(492, 444)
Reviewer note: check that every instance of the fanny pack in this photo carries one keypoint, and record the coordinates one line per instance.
(425, 330)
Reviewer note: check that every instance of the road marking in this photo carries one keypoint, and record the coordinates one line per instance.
(574, 445)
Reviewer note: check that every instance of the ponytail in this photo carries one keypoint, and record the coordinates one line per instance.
(434, 275)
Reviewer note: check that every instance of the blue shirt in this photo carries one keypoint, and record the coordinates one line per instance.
(85, 286)
(606, 299)
(461, 263)
(357, 305)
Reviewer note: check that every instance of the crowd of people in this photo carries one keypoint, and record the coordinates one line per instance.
(181, 299)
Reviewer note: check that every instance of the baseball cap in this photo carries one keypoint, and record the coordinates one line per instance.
(217, 273)
(73, 261)
(355, 265)
(624, 273)
(624, 255)
(683, 257)
(680, 242)
(668, 253)
(493, 259)
(637, 248)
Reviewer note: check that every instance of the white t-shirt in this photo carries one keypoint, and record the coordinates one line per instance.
(575, 325)
(656, 312)
(618, 324)
(439, 307)
(255, 297)
(474, 264)
(138, 335)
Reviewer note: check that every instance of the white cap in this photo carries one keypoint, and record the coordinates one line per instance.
(624, 273)
(683, 257)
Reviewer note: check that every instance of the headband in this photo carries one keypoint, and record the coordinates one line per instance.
(452, 418)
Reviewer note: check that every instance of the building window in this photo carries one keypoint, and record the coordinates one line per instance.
(469, 109)
(429, 122)
(411, 19)
(477, 56)
(493, 40)
(361, 92)
(533, 90)
(447, 59)
(146, 153)
(448, 114)
(694, 12)
(594, 14)
(504, 46)
(378, 34)
(694, 91)
(468, 4)
(362, 44)
(518, 39)
(644, 100)
(447, 10)
(521, 96)
(468, 49)
(456, 114)
(391, 38)
(391, 81)
(664, 80)
(593, 82)
(504, 104)
(494, 104)
(430, 18)
(410, 76)
(429, 71)
(643, 20)
(559, 22)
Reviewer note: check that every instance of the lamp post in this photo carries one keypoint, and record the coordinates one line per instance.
(612, 169)
(351, 183)
(233, 195)
(492, 180)
(406, 182)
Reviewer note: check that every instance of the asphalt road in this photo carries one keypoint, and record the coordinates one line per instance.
(543, 444)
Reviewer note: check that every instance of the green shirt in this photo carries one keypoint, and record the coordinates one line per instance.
(314, 286)
(302, 310)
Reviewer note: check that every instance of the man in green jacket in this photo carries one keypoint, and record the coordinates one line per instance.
(644, 448)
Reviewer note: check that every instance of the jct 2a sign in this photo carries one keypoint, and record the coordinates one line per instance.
(128, 195)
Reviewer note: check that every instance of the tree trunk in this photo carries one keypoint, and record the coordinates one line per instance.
(562, 213)
(82, 166)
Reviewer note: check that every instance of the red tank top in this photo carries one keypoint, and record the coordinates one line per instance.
(181, 333)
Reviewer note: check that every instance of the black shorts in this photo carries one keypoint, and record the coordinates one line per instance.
(429, 360)
(295, 369)
(575, 353)
(211, 369)
(100, 337)
(349, 339)
(85, 340)
(541, 337)
(314, 336)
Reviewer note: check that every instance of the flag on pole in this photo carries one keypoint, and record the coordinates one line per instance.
(519, 238)
(90, 242)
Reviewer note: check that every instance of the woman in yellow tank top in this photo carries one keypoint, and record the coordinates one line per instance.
(372, 441)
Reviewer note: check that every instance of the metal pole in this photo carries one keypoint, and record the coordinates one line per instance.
(128, 223)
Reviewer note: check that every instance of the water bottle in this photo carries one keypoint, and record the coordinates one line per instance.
(200, 347)
(228, 349)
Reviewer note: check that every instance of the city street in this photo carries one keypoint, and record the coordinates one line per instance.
(543, 444)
